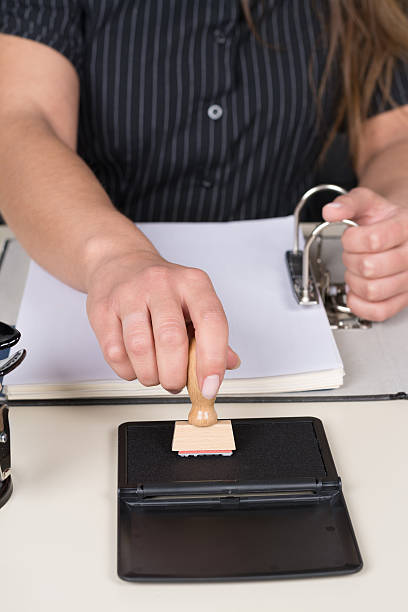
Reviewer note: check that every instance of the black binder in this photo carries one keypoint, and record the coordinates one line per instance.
(275, 509)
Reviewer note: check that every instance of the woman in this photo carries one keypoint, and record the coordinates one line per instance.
(196, 110)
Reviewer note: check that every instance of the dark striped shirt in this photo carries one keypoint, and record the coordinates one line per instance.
(185, 115)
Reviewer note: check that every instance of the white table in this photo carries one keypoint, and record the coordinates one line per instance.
(58, 531)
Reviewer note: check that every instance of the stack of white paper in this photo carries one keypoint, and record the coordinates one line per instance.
(283, 346)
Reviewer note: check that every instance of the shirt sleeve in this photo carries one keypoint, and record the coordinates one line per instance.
(399, 90)
(56, 23)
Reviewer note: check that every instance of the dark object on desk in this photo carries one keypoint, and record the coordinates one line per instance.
(9, 336)
(11, 362)
(6, 486)
(275, 509)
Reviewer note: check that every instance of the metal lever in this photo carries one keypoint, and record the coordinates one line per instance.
(304, 287)
(334, 294)
(308, 295)
(305, 197)
(307, 287)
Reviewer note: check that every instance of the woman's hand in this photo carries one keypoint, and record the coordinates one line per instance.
(375, 253)
(138, 305)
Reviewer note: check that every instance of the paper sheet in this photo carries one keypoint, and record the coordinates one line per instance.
(245, 260)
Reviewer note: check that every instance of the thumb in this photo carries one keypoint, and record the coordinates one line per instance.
(233, 360)
(361, 205)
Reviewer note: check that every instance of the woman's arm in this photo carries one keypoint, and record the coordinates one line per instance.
(376, 253)
(137, 302)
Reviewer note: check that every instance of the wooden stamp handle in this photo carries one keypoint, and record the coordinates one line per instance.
(202, 413)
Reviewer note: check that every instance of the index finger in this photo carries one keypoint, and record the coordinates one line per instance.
(211, 332)
(378, 237)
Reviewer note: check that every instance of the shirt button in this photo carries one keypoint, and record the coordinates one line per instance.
(206, 184)
(214, 112)
(220, 37)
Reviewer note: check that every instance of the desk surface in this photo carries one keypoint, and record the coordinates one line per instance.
(58, 531)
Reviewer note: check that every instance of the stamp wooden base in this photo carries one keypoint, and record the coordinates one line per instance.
(218, 437)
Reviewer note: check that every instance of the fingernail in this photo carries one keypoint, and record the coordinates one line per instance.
(347, 288)
(210, 386)
(335, 205)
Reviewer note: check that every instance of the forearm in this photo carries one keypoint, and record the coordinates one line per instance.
(55, 205)
(386, 173)
(137, 302)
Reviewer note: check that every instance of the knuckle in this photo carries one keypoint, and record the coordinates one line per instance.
(138, 344)
(211, 308)
(97, 309)
(374, 241)
(213, 314)
(171, 334)
(157, 275)
(215, 364)
(114, 353)
(195, 275)
(366, 267)
(362, 192)
(371, 291)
